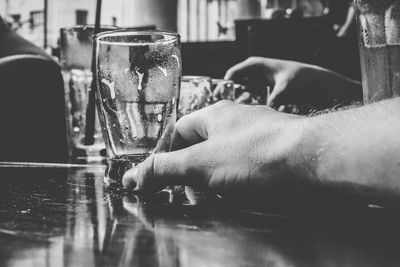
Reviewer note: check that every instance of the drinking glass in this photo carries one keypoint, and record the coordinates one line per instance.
(138, 81)
(76, 60)
(195, 94)
(223, 90)
(379, 41)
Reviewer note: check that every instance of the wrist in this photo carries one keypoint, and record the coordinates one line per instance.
(295, 164)
(352, 146)
(304, 157)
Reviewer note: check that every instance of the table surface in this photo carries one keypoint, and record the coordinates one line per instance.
(64, 215)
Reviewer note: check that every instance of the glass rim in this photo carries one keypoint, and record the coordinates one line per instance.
(195, 77)
(88, 26)
(214, 81)
(173, 36)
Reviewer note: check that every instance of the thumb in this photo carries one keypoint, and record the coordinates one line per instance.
(161, 170)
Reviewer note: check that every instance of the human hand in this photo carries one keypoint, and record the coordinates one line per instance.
(255, 152)
(294, 82)
(230, 149)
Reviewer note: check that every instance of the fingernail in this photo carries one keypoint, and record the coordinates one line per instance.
(128, 180)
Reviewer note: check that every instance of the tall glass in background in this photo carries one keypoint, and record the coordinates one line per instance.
(379, 42)
(76, 61)
(195, 94)
(138, 81)
(222, 90)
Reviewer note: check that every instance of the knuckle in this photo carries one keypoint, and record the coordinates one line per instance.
(147, 171)
(254, 59)
(179, 125)
(156, 165)
(186, 161)
(219, 107)
(220, 112)
(186, 121)
(158, 168)
(223, 104)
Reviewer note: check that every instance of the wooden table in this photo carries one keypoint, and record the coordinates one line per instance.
(64, 215)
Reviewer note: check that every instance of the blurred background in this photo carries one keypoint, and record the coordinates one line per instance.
(215, 33)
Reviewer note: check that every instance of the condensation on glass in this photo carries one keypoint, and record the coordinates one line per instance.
(138, 81)
(76, 50)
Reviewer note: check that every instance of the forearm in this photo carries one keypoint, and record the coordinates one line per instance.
(356, 151)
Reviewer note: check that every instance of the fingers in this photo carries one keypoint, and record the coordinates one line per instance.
(160, 170)
(274, 100)
(251, 68)
(181, 167)
(190, 129)
(256, 73)
(237, 72)
(220, 93)
(279, 95)
(244, 98)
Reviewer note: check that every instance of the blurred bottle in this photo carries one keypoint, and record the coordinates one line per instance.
(378, 25)
(392, 33)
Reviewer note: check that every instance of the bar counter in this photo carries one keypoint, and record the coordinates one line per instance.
(64, 215)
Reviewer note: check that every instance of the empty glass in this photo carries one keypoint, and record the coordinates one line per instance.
(138, 81)
(76, 61)
(195, 94)
(223, 90)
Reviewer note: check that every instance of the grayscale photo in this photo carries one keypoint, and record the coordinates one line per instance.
(199, 133)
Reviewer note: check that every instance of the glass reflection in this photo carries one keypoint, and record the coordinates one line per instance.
(75, 220)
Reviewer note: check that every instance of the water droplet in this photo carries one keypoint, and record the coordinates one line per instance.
(177, 59)
(164, 71)
(140, 87)
(110, 86)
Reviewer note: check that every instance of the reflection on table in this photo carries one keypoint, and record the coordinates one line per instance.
(56, 215)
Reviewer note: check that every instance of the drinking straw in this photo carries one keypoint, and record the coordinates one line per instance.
(91, 109)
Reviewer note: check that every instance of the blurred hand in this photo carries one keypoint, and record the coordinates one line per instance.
(295, 83)
(228, 148)
(350, 17)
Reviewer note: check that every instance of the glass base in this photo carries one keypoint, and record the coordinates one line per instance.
(117, 167)
(91, 153)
